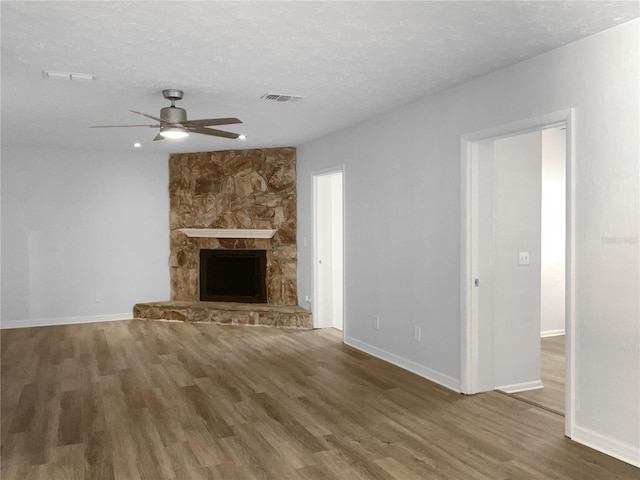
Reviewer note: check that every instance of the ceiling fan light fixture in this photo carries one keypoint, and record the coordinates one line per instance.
(174, 125)
(173, 132)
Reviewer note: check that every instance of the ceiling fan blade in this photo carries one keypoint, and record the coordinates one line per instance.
(158, 137)
(157, 119)
(211, 121)
(119, 126)
(214, 132)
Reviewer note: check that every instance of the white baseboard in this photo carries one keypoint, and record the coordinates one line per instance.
(521, 387)
(609, 446)
(552, 333)
(44, 322)
(432, 375)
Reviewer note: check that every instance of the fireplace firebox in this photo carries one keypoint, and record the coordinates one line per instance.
(233, 276)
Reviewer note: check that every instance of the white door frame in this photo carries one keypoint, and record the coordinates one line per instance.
(469, 374)
(314, 209)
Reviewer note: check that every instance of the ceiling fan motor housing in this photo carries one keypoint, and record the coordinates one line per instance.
(173, 114)
(172, 94)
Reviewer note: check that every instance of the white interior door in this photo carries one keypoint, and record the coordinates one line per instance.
(328, 310)
(483, 265)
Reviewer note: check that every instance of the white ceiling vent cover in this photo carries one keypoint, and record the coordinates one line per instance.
(82, 77)
(282, 98)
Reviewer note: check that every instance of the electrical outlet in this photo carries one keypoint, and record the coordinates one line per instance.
(523, 258)
(376, 320)
(307, 299)
(417, 334)
(99, 298)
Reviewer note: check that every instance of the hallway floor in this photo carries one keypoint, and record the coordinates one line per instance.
(552, 362)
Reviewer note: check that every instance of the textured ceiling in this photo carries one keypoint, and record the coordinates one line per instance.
(350, 59)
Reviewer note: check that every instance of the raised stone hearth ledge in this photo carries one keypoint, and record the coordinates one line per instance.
(226, 313)
(228, 232)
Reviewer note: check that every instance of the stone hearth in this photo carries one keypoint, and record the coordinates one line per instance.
(232, 190)
(227, 313)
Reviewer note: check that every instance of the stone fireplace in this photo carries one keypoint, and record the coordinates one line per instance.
(235, 200)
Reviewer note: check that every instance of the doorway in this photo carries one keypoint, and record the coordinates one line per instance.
(552, 273)
(328, 223)
(518, 349)
(526, 197)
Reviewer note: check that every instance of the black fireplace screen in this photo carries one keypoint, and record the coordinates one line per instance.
(233, 276)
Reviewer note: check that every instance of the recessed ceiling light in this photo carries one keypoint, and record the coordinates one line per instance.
(242, 137)
(137, 145)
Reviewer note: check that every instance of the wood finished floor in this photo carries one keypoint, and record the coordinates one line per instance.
(551, 396)
(157, 400)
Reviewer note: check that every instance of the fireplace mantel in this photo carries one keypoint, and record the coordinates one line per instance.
(228, 232)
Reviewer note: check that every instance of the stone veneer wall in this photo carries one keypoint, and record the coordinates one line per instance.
(234, 189)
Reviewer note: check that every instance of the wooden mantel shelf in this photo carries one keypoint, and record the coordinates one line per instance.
(228, 232)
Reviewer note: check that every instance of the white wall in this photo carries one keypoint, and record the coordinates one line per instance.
(402, 213)
(85, 235)
(517, 189)
(553, 232)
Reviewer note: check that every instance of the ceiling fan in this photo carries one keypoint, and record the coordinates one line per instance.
(174, 123)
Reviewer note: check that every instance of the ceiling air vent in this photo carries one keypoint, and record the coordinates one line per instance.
(281, 98)
(82, 77)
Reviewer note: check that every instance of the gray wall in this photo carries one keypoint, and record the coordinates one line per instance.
(402, 216)
(85, 235)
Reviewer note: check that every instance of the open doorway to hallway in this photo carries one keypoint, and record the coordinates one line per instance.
(502, 262)
(552, 273)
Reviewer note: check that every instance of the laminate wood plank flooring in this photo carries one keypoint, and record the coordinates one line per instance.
(552, 359)
(139, 399)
